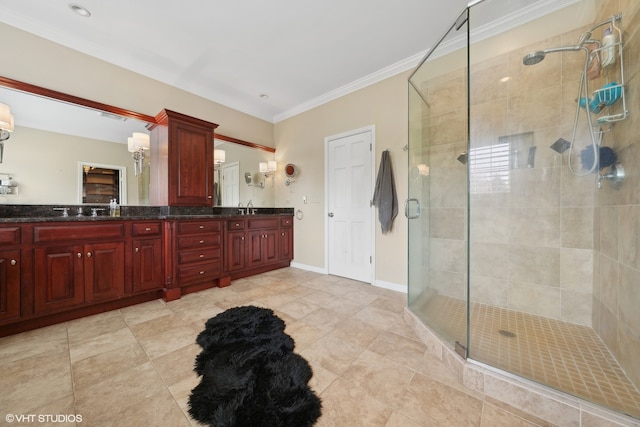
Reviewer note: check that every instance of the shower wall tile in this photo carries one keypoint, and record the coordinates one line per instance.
(608, 330)
(629, 240)
(536, 108)
(448, 93)
(535, 264)
(609, 231)
(489, 290)
(489, 259)
(628, 297)
(609, 272)
(448, 255)
(489, 225)
(526, 79)
(448, 127)
(576, 307)
(486, 84)
(576, 269)
(448, 283)
(488, 122)
(628, 350)
(448, 223)
(577, 228)
(577, 190)
(535, 299)
(528, 190)
(539, 227)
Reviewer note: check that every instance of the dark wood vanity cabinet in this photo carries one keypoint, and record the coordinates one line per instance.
(182, 170)
(77, 264)
(258, 244)
(198, 254)
(147, 256)
(9, 273)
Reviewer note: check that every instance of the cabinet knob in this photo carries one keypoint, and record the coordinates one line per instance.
(137, 250)
(201, 255)
(79, 255)
(283, 233)
(88, 254)
(201, 227)
(147, 229)
(242, 238)
(201, 241)
(14, 262)
(202, 272)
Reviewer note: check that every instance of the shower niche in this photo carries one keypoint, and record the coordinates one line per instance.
(511, 253)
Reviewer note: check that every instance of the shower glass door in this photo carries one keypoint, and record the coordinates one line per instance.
(437, 202)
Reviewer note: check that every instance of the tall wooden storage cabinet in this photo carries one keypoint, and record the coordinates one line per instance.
(182, 160)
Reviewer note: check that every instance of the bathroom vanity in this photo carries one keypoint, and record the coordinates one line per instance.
(55, 268)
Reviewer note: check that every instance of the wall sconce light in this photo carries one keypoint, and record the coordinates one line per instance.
(219, 157)
(137, 144)
(6, 126)
(267, 169)
(423, 170)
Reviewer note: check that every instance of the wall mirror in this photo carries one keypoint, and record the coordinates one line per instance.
(242, 161)
(55, 131)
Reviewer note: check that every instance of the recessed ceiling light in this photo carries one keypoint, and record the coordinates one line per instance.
(80, 10)
(264, 96)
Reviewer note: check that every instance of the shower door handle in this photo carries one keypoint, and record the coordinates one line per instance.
(406, 208)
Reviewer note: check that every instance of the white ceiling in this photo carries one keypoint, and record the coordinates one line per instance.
(298, 52)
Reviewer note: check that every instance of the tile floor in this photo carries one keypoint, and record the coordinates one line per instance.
(133, 366)
(563, 355)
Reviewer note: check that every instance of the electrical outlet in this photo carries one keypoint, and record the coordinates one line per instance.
(304, 199)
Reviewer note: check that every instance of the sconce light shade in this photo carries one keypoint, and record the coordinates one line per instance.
(219, 156)
(263, 167)
(138, 141)
(6, 122)
(136, 144)
(272, 165)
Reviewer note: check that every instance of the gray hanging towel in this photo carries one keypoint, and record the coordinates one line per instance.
(384, 196)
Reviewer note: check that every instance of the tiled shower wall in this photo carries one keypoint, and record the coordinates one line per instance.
(616, 295)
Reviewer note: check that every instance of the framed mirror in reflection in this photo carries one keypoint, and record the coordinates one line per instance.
(55, 131)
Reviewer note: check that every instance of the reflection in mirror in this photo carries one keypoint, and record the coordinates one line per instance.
(99, 184)
(231, 178)
(52, 137)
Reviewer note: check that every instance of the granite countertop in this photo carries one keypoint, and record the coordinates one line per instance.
(51, 213)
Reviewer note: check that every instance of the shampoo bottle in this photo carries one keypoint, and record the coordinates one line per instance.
(608, 48)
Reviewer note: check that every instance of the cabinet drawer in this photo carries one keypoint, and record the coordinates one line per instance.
(201, 241)
(199, 273)
(10, 235)
(263, 223)
(193, 227)
(236, 224)
(54, 233)
(286, 222)
(146, 229)
(186, 257)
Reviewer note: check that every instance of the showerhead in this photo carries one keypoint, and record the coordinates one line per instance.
(533, 57)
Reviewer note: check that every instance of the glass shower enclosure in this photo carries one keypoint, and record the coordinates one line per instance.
(523, 206)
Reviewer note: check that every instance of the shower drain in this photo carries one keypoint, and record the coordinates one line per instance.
(506, 333)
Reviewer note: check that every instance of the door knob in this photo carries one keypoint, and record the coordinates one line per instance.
(330, 214)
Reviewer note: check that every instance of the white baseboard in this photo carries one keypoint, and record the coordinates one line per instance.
(391, 286)
(309, 268)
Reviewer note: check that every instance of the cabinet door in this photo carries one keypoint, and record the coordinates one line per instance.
(147, 265)
(9, 284)
(285, 244)
(104, 271)
(190, 170)
(236, 250)
(59, 278)
(262, 247)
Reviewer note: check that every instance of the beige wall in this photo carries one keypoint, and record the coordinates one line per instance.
(301, 140)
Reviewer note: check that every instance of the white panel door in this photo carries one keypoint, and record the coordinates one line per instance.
(350, 215)
(231, 184)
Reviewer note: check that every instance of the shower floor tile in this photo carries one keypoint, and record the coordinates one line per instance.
(562, 355)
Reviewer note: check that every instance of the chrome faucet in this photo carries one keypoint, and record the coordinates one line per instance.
(240, 210)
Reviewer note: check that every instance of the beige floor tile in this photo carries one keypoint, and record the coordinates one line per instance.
(332, 353)
(92, 345)
(493, 416)
(140, 313)
(27, 344)
(91, 370)
(403, 350)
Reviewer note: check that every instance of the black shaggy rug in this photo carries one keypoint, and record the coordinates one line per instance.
(250, 375)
